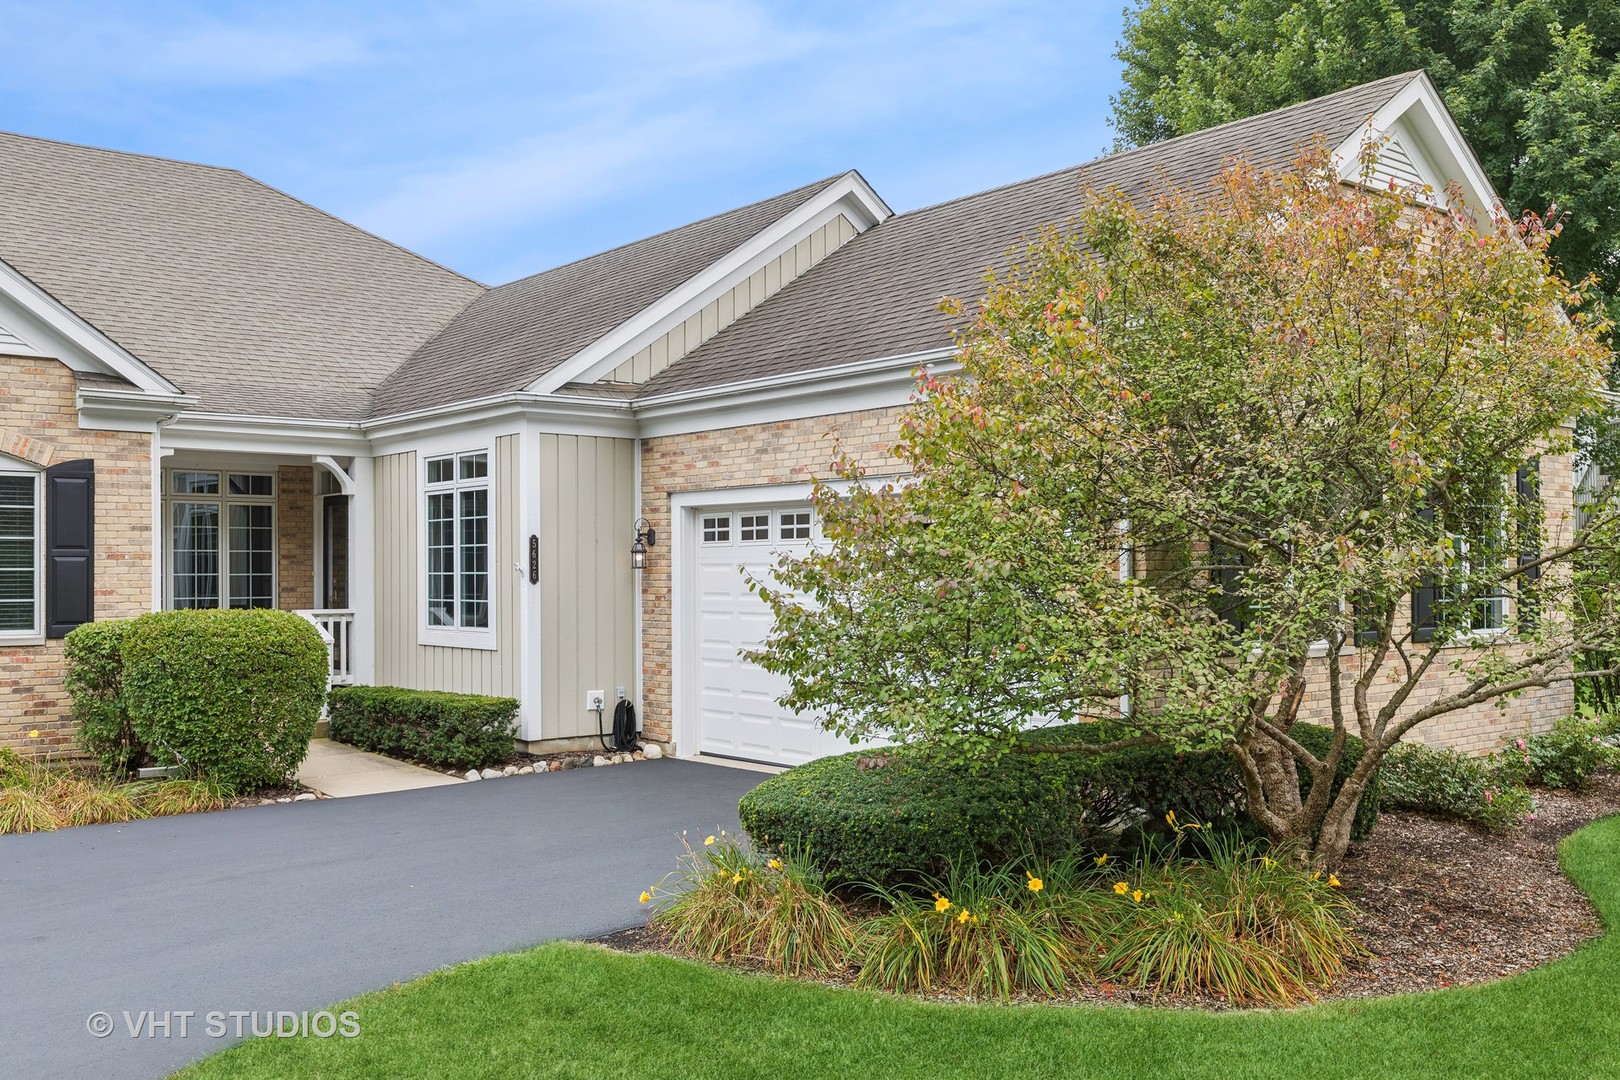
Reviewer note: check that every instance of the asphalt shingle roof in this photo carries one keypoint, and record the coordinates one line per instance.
(244, 296)
(514, 334)
(878, 295)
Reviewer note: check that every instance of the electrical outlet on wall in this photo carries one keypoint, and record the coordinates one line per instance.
(595, 699)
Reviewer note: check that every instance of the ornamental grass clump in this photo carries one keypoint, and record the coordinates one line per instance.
(977, 931)
(727, 902)
(81, 800)
(163, 798)
(1235, 922)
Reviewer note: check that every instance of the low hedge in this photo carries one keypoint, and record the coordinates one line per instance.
(915, 814)
(460, 731)
(232, 696)
(95, 679)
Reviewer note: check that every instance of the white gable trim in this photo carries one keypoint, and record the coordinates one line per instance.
(51, 329)
(1418, 118)
(849, 195)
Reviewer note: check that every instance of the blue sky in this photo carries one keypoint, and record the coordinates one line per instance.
(501, 138)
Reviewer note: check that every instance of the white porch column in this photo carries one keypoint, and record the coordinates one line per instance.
(362, 573)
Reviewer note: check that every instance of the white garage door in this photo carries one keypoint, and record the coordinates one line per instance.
(735, 701)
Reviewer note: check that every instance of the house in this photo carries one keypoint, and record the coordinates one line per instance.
(214, 394)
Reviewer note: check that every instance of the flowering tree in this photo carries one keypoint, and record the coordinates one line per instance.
(1204, 458)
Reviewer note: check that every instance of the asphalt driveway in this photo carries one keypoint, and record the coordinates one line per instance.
(295, 906)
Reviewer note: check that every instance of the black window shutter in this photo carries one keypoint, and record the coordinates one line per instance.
(1425, 596)
(70, 545)
(1527, 483)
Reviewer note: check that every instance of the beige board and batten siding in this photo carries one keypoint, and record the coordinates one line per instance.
(587, 586)
(728, 308)
(400, 659)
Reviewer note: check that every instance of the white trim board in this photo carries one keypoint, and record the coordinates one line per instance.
(1418, 117)
(849, 195)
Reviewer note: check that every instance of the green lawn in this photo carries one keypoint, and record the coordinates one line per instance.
(581, 1011)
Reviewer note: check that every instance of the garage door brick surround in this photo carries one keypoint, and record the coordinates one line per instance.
(783, 453)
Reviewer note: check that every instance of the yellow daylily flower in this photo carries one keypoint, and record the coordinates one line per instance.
(1170, 819)
(964, 917)
(1121, 888)
(775, 864)
(1333, 881)
(1035, 883)
(645, 896)
(1138, 896)
(1101, 860)
(736, 879)
(1317, 876)
(708, 841)
(1194, 825)
(941, 903)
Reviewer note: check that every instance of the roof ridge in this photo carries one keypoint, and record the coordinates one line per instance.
(250, 178)
(122, 153)
(817, 184)
(1405, 78)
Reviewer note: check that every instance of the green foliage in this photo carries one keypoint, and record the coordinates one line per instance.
(727, 902)
(232, 696)
(1233, 922)
(1567, 755)
(13, 768)
(1534, 85)
(465, 731)
(1488, 792)
(1184, 409)
(179, 795)
(95, 677)
(80, 800)
(978, 931)
(883, 817)
(24, 808)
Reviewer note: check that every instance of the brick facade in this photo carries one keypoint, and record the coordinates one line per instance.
(790, 452)
(795, 451)
(39, 424)
(295, 538)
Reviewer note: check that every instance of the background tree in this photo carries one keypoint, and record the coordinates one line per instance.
(1534, 85)
(1200, 458)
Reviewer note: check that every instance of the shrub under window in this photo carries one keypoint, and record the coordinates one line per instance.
(230, 695)
(464, 731)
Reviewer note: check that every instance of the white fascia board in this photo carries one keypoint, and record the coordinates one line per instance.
(117, 409)
(849, 195)
(52, 329)
(557, 414)
(882, 383)
(233, 433)
(1431, 136)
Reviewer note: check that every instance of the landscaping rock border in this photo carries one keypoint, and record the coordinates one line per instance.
(562, 761)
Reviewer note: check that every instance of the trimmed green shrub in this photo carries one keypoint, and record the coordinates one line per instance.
(1566, 756)
(458, 731)
(95, 679)
(1486, 791)
(913, 814)
(232, 696)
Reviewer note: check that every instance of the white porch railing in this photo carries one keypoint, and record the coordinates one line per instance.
(337, 628)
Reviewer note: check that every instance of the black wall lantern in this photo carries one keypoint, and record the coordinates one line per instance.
(645, 538)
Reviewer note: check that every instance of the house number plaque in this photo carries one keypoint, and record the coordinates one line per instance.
(534, 559)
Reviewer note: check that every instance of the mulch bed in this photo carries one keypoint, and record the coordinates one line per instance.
(1442, 904)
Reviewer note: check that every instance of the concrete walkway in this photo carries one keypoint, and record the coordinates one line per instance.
(294, 907)
(340, 770)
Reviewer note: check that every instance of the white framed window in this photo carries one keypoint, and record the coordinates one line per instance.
(716, 528)
(221, 538)
(457, 513)
(793, 525)
(754, 527)
(22, 551)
